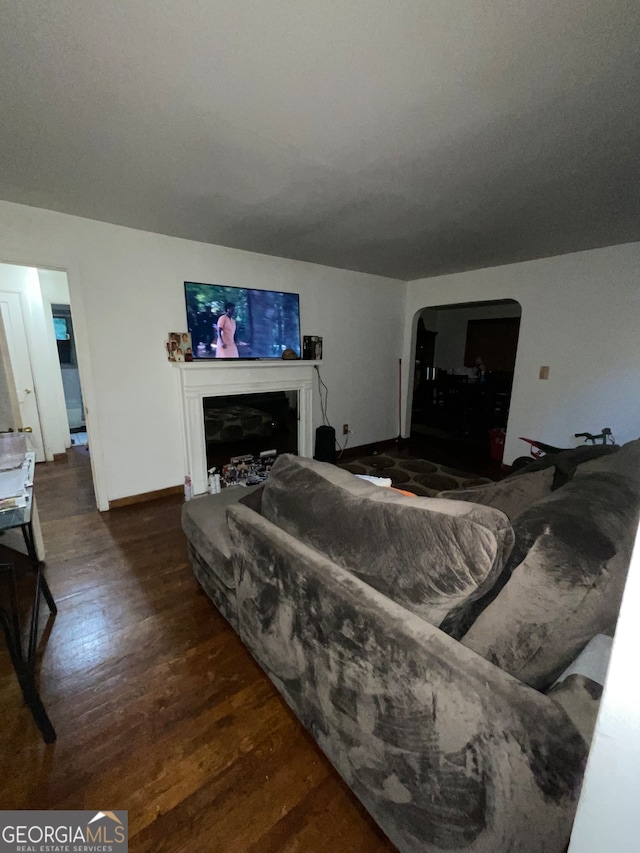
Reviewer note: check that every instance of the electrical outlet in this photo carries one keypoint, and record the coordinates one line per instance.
(544, 372)
(345, 429)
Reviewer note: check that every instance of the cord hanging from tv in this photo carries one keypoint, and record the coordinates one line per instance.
(240, 322)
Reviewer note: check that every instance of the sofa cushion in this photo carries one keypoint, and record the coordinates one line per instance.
(569, 566)
(204, 521)
(580, 698)
(625, 463)
(510, 496)
(433, 556)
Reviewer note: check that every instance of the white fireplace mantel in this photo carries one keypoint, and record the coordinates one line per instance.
(210, 379)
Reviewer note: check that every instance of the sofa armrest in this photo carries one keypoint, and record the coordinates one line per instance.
(446, 751)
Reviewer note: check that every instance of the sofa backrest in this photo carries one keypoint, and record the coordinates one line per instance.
(569, 566)
(625, 463)
(565, 463)
(433, 556)
(445, 751)
(511, 496)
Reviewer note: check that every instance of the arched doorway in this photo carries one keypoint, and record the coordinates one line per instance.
(464, 365)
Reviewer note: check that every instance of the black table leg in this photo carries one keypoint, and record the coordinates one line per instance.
(41, 587)
(35, 618)
(24, 667)
(29, 541)
(44, 586)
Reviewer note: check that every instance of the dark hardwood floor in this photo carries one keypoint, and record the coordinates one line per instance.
(158, 707)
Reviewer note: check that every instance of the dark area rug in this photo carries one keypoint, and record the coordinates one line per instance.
(412, 474)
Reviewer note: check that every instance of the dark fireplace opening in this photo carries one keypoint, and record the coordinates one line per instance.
(239, 424)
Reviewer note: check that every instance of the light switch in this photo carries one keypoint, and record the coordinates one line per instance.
(544, 372)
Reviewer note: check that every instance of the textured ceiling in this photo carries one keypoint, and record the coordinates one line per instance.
(401, 137)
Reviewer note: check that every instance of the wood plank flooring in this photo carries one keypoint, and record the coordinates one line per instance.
(158, 706)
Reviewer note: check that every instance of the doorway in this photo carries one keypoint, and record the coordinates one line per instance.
(43, 357)
(464, 366)
(68, 359)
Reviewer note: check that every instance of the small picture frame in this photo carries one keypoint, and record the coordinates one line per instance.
(178, 347)
(312, 348)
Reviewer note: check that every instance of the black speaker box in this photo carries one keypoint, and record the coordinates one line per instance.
(325, 444)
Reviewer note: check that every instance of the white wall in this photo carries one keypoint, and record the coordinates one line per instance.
(54, 286)
(43, 354)
(126, 291)
(580, 315)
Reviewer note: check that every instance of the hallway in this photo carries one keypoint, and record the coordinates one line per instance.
(65, 490)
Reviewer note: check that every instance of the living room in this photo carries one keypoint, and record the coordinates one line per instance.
(579, 297)
(126, 291)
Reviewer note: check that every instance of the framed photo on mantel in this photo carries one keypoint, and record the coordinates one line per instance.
(178, 346)
(312, 347)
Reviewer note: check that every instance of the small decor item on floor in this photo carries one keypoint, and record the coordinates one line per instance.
(188, 489)
(214, 485)
(247, 470)
(178, 346)
(496, 444)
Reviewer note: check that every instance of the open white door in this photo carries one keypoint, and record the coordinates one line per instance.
(16, 340)
(11, 418)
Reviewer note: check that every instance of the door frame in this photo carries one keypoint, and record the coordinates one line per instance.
(83, 349)
(407, 399)
(17, 314)
(13, 537)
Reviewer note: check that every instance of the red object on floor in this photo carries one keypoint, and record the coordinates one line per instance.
(496, 444)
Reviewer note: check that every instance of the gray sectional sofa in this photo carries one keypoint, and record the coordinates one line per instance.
(419, 639)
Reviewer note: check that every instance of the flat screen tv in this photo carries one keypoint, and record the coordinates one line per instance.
(241, 323)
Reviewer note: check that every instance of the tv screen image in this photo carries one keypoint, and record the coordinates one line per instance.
(241, 322)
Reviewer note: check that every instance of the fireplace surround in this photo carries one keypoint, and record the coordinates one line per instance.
(240, 424)
(205, 379)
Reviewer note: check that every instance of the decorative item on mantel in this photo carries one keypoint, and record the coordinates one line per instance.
(312, 347)
(178, 346)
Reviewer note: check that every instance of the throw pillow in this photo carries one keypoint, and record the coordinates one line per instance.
(431, 555)
(569, 566)
(510, 496)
